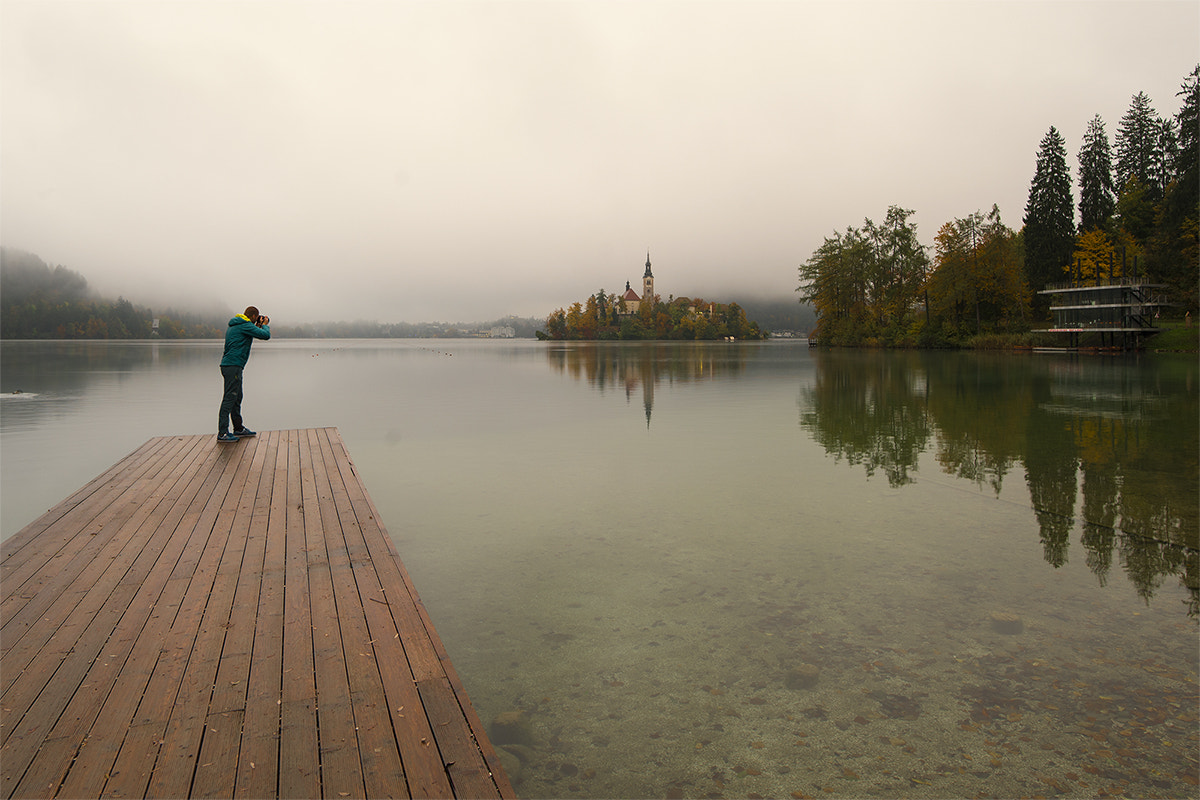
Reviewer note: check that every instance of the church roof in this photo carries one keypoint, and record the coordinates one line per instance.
(630, 294)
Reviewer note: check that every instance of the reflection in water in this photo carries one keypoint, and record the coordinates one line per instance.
(627, 366)
(1105, 428)
(871, 413)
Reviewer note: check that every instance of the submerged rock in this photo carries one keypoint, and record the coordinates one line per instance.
(512, 765)
(511, 727)
(1007, 623)
(804, 676)
(896, 706)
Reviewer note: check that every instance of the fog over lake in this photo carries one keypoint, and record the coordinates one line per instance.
(411, 161)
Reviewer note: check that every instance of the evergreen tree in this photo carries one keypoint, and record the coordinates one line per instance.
(1174, 249)
(1049, 215)
(1139, 144)
(1187, 168)
(1166, 155)
(1097, 200)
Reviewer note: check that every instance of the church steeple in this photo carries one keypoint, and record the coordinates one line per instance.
(648, 282)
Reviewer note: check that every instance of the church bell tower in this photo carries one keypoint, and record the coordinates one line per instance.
(648, 282)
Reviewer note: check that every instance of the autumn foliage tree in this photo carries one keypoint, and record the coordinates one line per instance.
(1093, 255)
(977, 280)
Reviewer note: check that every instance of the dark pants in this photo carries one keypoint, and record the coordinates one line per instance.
(231, 402)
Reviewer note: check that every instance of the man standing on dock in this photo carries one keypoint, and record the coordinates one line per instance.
(241, 333)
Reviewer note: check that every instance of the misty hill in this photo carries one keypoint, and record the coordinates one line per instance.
(780, 314)
(38, 301)
(507, 327)
(25, 277)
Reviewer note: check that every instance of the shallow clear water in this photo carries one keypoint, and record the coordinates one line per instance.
(649, 550)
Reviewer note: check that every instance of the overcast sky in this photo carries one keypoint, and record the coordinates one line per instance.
(454, 161)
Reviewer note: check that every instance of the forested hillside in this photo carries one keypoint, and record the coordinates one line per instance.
(42, 302)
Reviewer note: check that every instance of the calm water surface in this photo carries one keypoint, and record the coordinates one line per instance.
(738, 570)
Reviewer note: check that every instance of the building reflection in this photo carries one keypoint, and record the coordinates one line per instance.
(1097, 440)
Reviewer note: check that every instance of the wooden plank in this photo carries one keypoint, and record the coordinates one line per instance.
(112, 681)
(57, 539)
(199, 649)
(383, 773)
(86, 641)
(472, 776)
(257, 775)
(218, 763)
(48, 598)
(192, 577)
(341, 768)
(299, 754)
(248, 630)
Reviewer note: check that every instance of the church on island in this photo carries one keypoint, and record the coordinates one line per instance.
(634, 315)
(631, 299)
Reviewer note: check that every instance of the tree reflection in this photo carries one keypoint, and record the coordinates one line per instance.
(1099, 440)
(1050, 470)
(981, 405)
(869, 408)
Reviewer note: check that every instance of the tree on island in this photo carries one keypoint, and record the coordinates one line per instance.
(605, 317)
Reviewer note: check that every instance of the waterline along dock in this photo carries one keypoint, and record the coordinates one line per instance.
(227, 620)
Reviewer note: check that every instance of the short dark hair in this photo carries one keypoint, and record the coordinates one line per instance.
(251, 312)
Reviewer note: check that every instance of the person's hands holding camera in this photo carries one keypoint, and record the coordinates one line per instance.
(263, 319)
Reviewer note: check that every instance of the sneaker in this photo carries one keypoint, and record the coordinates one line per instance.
(226, 436)
(243, 432)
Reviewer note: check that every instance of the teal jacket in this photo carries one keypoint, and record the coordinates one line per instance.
(240, 334)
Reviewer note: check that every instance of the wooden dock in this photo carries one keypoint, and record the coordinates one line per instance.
(227, 620)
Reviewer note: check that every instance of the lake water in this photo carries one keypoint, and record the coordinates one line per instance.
(739, 570)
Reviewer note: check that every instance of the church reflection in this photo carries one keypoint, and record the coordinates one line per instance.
(1097, 439)
(630, 367)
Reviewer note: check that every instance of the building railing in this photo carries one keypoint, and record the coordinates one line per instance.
(1102, 325)
(1114, 283)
